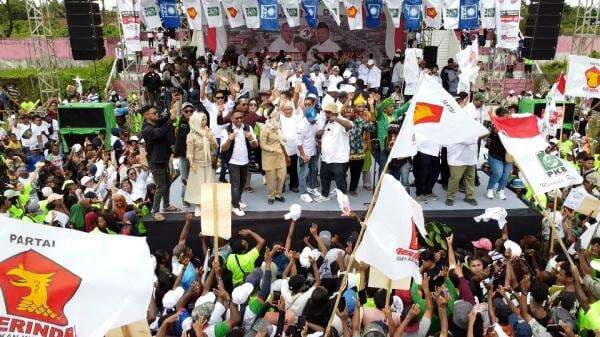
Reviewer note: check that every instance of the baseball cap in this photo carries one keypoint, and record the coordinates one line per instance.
(371, 62)
(46, 191)
(240, 294)
(460, 313)
(187, 104)
(483, 243)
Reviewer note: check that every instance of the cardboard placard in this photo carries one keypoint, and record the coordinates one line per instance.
(582, 202)
(378, 280)
(215, 209)
(135, 329)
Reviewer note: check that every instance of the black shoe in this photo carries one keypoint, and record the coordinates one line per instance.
(223, 180)
(295, 190)
(271, 201)
(471, 202)
(280, 199)
(449, 202)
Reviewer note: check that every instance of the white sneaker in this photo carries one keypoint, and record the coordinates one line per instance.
(501, 195)
(238, 212)
(197, 211)
(312, 191)
(306, 197)
(264, 180)
(218, 170)
(490, 194)
(320, 198)
(242, 205)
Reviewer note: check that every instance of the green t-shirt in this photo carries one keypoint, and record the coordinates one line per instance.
(383, 121)
(243, 264)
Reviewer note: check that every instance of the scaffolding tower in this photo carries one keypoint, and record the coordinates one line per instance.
(41, 49)
(586, 26)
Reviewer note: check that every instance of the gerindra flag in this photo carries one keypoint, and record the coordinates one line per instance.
(434, 116)
(543, 171)
(65, 283)
(391, 242)
(432, 13)
(233, 10)
(583, 77)
(354, 14)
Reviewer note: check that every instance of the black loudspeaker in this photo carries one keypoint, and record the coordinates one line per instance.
(70, 117)
(542, 28)
(430, 55)
(85, 29)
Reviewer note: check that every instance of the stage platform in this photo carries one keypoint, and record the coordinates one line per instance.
(267, 220)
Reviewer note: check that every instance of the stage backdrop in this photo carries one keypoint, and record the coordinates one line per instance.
(326, 37)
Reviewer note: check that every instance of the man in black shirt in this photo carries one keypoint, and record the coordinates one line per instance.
(151, 84)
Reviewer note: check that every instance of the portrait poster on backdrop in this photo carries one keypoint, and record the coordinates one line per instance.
(129, 13)
(327, 37)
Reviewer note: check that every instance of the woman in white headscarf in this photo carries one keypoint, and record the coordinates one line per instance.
(201, 144)
(273, 157)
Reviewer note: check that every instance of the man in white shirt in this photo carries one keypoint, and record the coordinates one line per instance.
(476, 110)
(237, 139)
(308, 158)
(242, 60)
(397, 72)
(374, 76)
(411, 71)
(285, 41)
(335, 150)
(363, 70)
(318, 79)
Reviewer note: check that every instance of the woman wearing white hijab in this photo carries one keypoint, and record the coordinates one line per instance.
(201, 143)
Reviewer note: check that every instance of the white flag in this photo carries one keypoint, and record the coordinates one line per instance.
(451, 13)
(250, 8)
(432, 13)
(522, 139)
(233, 9)
(193, 12)
(291, 9)
(488, 14)
(387, 244)
(467, 61)
(150, 14)
(71, 283)
(434, 116)
(212, 9)
(334, 9)
(393, 8)
(583, 77)
(354, 13)
(129, 13)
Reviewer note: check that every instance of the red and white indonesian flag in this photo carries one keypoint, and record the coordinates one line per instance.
(193, 12)
(354, 13)
(390, 242)
(435, 116)
(583, 77)
(522, 139)
(432, 13)
(62, 282)
(233, 9)
(557, 91)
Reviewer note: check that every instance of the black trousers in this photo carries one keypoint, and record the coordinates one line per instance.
(335, 172)
(292, 170)
(426, 169)
(444, 168)
(237, 177)
(355, 172)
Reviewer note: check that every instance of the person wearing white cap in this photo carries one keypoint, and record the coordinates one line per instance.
(374, 76)
(510, 99)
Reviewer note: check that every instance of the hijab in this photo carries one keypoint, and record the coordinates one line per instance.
(77, 216)
(198, 127)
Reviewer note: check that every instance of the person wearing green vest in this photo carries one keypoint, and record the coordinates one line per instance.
(528, 65)
(14, 210)
(241, 261)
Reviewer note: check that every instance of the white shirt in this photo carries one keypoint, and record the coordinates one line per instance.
(307, 137)
(463, 153)
(475, 113)
(411, 64)
(127, 195)
(335, 143)
(213, 111)
(397, 72)
(318, 79)
(54, 215)
(280, 44)
(138, 187)
(242, 61)
(363, 72)
(38, 130)
(289, 132)
(326, 47)
(239, 156)
(374, 78)
(295, 302)
(429, 147)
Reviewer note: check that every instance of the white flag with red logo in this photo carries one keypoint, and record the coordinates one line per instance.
(432, 13)
(543, 171)
(233, 10)
(386, 244)
(435, 116)
(557, 91)
(62, 282)
(583, 77)
(193, 12)
(354, 13)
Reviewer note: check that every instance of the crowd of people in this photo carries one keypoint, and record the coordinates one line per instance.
(302, 126)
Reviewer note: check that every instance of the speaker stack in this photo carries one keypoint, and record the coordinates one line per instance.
(542, 28)
(85, 29)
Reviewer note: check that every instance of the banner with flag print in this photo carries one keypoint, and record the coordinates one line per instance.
(523, 140)
(212, 10)
(488, 14)
(354, 13)
(450, 14)
(468, 15)
(234, 12)
(193, 12)
(333, 6)
(508, 16)
(311, 10)
(373, 13)
(46, 289)
(169, 14)
(269, 14)
(291, 9)
(391, 249)
(432, 13)
(150, 14)
(412, 14)
(583, 77)
(393, 8)
(251, 9)
(434, 115)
